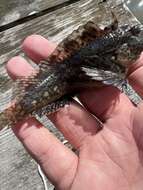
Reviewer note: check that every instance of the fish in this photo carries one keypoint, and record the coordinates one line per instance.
(90, 56)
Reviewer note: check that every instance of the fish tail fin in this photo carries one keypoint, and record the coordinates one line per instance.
(4, 120)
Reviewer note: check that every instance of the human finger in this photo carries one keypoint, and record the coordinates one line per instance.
(37, 47)
(40, 143)
(106, 102)
(18, 67)
(57, 161)
(74, 122)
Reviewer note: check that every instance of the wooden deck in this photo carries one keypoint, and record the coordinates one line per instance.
(54, 20)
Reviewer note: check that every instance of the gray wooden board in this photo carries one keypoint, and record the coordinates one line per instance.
(136, 7)
(16, 166)
(15, 9)
(17, 169)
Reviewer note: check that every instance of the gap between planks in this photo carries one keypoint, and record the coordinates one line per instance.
(14, 10)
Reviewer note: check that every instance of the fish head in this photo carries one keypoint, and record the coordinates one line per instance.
(130, 51)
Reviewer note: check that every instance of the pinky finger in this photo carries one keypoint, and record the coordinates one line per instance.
(57, 161)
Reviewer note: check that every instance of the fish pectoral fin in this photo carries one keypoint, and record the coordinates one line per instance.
(100, 75)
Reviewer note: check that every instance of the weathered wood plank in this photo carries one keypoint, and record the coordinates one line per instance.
(14, 9)
(55, 26)
(136, 7)
(17, 169)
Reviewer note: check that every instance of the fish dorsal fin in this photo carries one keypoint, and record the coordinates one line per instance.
(21, 85)
(77, 39)
(80, 38)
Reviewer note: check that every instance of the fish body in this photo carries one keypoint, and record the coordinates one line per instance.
(95, 57)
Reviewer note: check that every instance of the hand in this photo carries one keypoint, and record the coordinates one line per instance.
(111, 158)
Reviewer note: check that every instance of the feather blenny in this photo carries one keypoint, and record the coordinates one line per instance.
(90, 56)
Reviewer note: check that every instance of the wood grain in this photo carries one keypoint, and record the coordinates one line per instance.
(14, 9)
(17, 169)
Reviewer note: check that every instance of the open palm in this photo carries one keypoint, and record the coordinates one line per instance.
(108, 158)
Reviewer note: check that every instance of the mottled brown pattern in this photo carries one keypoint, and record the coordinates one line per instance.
(80, 38)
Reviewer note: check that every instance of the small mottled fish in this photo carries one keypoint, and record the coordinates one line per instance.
(89, 57)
